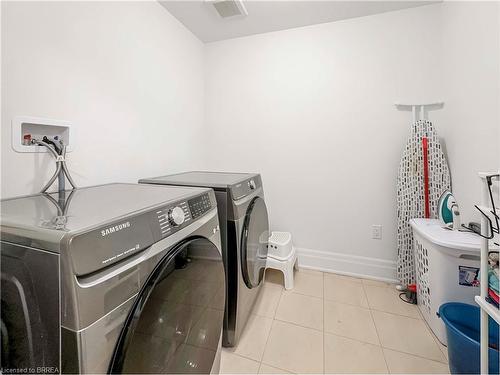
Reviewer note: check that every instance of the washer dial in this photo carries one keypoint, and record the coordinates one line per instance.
(176, 216)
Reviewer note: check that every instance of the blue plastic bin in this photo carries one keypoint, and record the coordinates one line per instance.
(462, 331)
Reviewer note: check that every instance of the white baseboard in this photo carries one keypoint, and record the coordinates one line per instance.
(349, 265)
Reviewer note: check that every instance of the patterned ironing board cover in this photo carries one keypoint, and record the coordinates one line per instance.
(410, 191)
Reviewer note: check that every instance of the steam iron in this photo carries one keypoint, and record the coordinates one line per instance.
(448, 211)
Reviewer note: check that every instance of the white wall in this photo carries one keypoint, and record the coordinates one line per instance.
(312, 110)
(128, 75)
(470, 121)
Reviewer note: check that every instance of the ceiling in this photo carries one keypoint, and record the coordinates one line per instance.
(201, 18)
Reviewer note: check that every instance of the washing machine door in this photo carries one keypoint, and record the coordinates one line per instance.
(254, 240)
(30, 314)
(175, 325)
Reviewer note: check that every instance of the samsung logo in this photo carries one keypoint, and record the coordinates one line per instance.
(115, 228)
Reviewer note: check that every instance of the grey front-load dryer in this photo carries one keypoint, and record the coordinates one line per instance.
(118, 278)
(244, 232)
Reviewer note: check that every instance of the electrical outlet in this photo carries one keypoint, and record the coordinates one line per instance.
(377, 232)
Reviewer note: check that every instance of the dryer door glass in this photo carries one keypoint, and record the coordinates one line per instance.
(175, 325)
(254, 242)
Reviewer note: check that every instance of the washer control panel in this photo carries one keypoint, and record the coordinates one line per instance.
(199, 205)
(176, 216)
(173, 218)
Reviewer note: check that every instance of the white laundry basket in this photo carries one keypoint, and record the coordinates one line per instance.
(447, 267)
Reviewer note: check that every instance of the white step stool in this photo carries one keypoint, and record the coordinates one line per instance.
(282, 256)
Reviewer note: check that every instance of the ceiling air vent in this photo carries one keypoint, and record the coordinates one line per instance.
(229, 8)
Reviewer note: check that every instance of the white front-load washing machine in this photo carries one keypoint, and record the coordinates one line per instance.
(244, 231)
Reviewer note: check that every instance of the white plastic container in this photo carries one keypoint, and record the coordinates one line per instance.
(282, 256)
(280, 245)
(447, 267)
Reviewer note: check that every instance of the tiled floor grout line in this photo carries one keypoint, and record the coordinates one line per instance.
(299, 325)
(242, 356)
(414, 355)
(301, 294)
(345, 303)
(279, 368)
(352, 339)
(376, 330)
(371, 308)
(393, 313)
(269, 335)
(279, 302)
(436, 340)
(389, 312)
